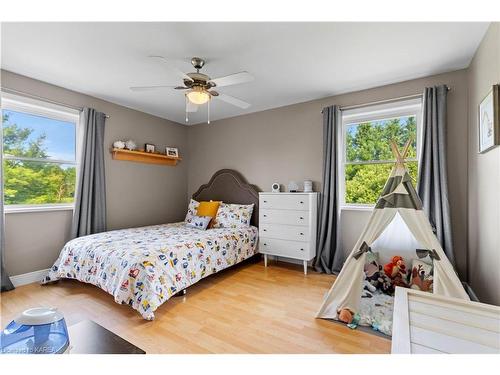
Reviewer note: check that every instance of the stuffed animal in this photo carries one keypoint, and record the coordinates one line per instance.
(396, 271)
(419, 280)
(346, 316)
(372, 273)
(385, 284)
(377, 278)
(368, 289)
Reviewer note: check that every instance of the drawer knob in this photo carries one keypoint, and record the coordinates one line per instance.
(265, 244)
(265, 230)
(265, 215)
(301, 249)
(300, 233)
(265, 201)
(301, 202)
(301, 218)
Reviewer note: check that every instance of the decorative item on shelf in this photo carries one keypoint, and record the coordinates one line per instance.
(172, 151)
(130, 145)
(293, 187)
(489, 120)
(275, 187)
(119, 144)
(148, 147)
(308, 186)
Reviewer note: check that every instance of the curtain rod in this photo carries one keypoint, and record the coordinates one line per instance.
(414, 96)
(32, 96)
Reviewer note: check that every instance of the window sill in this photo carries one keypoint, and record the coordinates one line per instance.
(42, 208)
(357, 208)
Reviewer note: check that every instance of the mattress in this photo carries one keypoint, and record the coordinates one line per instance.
(144, 267)
(376, 312)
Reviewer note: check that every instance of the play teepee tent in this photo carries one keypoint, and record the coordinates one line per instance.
(398, 202)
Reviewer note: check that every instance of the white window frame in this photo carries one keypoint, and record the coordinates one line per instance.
(36, 107)
(400, 108)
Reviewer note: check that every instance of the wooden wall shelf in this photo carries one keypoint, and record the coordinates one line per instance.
(144, 157)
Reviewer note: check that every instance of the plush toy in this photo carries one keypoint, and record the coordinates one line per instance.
(396, 271)
(375, 276)
(346, 316)
(419, 280)
(372, 273)
(368, 289)
(385, 284)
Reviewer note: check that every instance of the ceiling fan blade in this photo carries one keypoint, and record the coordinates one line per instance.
(232, 79)
(148, 88)
(190, 107)
(172, 67)
(232, 100)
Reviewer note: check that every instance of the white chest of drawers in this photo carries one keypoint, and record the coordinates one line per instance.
(287, 225)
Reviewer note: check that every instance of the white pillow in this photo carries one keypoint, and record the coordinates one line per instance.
(233, 215)
(192, 210)
(199, 222)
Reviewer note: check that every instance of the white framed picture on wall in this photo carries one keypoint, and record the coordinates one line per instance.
(489, 121)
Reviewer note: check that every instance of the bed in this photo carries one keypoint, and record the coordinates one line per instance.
(144, 267)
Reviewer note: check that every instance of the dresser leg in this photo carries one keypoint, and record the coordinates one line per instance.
(265, 260)
(305, 267)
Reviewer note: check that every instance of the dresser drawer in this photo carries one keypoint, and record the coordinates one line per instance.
(288, 249)
(284, 232)
(288, 217)
(284, 201)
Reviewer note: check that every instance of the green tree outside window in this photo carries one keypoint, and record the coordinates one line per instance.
(367, 146)
(33, 182)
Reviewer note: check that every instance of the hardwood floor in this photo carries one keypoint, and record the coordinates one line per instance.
(245, 309)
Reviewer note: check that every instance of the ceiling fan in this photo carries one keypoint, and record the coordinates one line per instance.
(200, 87)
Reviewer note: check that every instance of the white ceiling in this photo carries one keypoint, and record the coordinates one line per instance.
(291, 62)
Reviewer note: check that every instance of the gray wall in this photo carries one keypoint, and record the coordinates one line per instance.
(285, 144)
(281, 144)
(484, 177)
(137, 194)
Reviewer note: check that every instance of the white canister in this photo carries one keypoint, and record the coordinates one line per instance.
(308, 186)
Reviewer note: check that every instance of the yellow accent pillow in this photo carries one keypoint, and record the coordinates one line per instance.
(208, 209)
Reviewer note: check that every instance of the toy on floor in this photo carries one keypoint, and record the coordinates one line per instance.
(355, 321)
(346, 316)
(368, 289)
(396, 271)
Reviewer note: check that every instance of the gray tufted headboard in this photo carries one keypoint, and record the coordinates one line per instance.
(230, 186)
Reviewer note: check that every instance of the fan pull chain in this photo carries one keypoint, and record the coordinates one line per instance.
(187, 119)
(208, 111)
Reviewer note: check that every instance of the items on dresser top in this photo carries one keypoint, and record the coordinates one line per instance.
(308, 186)
(288, 224)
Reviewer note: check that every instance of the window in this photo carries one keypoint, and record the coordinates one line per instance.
(39, 150)
(366, 156)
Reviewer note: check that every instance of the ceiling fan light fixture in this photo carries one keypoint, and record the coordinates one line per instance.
(198, 97)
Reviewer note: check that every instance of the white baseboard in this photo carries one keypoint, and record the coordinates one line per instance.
(28, 278)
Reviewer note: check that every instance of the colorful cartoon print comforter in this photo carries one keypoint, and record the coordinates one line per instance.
(144, 267)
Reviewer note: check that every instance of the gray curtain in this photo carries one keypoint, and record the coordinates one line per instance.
(329, 256)
(432, 173)
(6, 284)
(90, 206)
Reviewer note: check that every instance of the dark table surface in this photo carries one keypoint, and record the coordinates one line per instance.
(88, 337)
